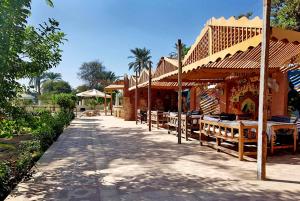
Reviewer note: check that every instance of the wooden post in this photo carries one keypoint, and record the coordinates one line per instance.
(263, 92)
(179, 46)
(105, 105)
(149, 96)
(136, 96)
(111, 102)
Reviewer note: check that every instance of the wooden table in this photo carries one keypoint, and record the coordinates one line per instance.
(232, 131)
(242, 132)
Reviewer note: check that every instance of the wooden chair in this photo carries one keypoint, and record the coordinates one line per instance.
(284, 137)
(141, 116)
(158, 118)
(189, 124)
(172, 122)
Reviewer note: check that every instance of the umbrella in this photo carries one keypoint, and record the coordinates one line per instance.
(93, 93)
(26, 97)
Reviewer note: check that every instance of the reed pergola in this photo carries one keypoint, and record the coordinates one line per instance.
(110, 89)
(233, 47)
(227, 48)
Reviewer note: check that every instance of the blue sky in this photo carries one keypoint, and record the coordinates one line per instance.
(106, 30)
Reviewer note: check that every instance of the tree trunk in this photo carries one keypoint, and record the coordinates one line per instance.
(39, 87)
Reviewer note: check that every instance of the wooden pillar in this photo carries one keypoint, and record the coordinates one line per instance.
(105, 105)
(136, 96)
(263, 92)
(179, 46)
(149, 96)
(111, 102)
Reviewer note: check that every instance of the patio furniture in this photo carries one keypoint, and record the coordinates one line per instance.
(190, 124)
(141, 116)
(242, 132)
(283, 136)
(158, 118)
(284, 133)
(172, 121)
(246, 116)
(231, 131)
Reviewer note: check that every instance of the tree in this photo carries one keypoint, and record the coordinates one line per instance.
(108, 78)
(67, 102)
(141, 58)
(35, 82)
(91, 72)
(82, 88)
(52, 76)
(25, 51)
(247, 15)
(286, 14)
(95, 75)
(56, 87)
(185, 50)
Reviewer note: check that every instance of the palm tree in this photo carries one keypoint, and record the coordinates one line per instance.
(52, 76)
(35, 82)
(107, 77)
(185, 50)
(141, 57)
(110, 76)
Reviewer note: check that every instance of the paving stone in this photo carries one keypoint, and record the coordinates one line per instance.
(108, 159)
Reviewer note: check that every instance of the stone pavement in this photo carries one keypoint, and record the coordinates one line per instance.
(105, 158)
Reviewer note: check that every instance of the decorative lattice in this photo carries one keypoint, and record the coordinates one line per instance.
(201, 50)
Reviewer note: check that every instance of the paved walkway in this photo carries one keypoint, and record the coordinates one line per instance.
(108, 159)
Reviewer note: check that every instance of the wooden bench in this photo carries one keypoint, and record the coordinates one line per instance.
(172, 122)
(158, 118)
(235, 132)
(187, 124)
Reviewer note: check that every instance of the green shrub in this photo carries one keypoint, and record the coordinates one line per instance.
(67, 102)
(7, 128)
(45, 135)
(4, 179)
(45, 128)
(23, 165)
(33, 147)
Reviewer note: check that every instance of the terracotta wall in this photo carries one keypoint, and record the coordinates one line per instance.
(193, 98)
(248, 88)
(165, 100)
(280, 96)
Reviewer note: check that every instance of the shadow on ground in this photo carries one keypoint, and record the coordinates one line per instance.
(100, 159)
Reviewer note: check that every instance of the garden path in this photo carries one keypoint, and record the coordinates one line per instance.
(105, 158)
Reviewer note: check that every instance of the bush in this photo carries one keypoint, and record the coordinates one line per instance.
(7, 128)
(23, 165)
(67, 102)
(45, 128)
(4, 179)
(33, 147)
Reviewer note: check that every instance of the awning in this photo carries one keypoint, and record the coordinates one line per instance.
(234, 46)
(93, 93)
(113, 87)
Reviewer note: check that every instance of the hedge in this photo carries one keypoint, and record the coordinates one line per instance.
(44, 128)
